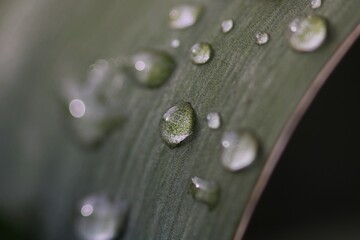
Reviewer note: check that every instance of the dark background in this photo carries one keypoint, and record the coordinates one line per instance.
(314, 192)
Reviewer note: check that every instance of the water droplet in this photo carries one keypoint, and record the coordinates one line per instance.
(96, 123)
(227, 25)
(100, 218)
(177, 124)
(306, 34)
(94, 102)
(213, 120)
(239, 150)
(200, 53)
(315, 4)
(150, 68)
(205, 191)
(184, 16)
(77, 108)
(175, 43)
(262, 38)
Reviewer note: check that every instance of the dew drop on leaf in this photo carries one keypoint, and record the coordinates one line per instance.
(177, 124)
(306, 34)
(150, 68)
(184, 16)
(240, 149)
(262, 38)
(205, 191)
(315, 4)
(213, 120)
(227, 25)
(100, 218)
(200, 53)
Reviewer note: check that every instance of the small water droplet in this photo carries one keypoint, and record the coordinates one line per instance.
(205, 191)
(315, 4)
(239, 150)
(150, 68)
(77, 108)
(227, 25)
(200, 53)
(177, 124)
(213, 120)
(175, 43)
(100, 218)
(262, 38)
(184, 16)
(306, 34)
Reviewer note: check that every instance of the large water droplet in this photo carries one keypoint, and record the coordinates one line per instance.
(150, 68)
(239, 150)
(100, 218)
(213, 120)
(315, 4)
(177, 124)
(306, 34)
(262, 38)
(200, 53)
(184, 16)
(205, 191)
(94, 103)
(227, 25)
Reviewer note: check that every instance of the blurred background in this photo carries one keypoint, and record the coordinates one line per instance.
(313, 194)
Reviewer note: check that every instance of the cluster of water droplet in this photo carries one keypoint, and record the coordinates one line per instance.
(240, 148)
(94, 106)
(97, 105)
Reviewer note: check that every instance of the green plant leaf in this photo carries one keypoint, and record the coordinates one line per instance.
(44, 172)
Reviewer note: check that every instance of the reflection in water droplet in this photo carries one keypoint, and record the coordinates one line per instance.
(87, 210)
(200, 53)
(227, 25)
(306, 34)
(77, 108)
(100, 218)
(175, 43)
(213, 120)
(177, 124)
(239, 150)
(205, 191)
(140, 65)
(315, 4)
(184, 16)
(150, 68)
(262, 38)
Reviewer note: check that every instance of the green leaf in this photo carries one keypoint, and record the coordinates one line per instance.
(45, 172)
